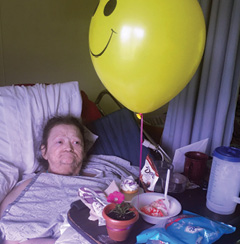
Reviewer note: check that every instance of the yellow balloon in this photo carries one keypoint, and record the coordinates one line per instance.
(146, 51)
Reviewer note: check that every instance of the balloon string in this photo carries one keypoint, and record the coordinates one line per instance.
(140, 156)
(141, 140)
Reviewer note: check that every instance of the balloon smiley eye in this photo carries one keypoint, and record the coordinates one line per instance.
(109, 7)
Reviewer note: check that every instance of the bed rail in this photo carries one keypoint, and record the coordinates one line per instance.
(100, 97)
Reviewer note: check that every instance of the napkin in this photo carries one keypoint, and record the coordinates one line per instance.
(179, 156)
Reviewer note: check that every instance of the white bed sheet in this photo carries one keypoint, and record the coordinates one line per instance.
(9, 175)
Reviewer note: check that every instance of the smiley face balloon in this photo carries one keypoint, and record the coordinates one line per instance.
(146, 51)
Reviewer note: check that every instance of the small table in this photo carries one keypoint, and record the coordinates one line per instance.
(191, 200)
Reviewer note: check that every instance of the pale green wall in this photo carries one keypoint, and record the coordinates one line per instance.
(46, 41)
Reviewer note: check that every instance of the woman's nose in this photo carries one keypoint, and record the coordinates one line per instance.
(69, 146)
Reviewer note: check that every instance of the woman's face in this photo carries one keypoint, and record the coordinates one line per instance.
(65, 150)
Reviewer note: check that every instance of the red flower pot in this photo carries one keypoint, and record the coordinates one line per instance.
(118, 230)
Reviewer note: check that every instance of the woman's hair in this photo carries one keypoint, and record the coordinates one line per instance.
(51, 123)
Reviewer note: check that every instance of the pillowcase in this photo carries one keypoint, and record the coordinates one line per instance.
(24, 110)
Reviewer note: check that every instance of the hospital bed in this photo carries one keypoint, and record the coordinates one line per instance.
(25, 109)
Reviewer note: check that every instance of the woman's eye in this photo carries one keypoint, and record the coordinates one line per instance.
(109, 7)
(77, 143)
(59, 142)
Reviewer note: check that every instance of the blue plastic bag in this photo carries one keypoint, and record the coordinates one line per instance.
(186, 228)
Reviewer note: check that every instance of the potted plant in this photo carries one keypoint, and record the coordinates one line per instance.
(120, 218)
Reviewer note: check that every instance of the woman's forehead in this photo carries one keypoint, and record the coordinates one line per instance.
(65, 130)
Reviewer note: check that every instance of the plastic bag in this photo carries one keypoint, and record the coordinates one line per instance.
(95, 200)
(149, 175)
(186, 228)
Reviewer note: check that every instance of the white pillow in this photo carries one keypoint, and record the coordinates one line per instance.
(24, 110)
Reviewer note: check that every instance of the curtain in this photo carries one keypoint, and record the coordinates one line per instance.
(206, 107)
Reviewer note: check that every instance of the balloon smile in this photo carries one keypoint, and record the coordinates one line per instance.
(99, 54)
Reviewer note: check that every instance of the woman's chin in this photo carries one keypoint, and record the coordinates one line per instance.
(66, 166)
(70, 167)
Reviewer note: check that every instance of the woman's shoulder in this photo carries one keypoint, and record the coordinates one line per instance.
(13, 194)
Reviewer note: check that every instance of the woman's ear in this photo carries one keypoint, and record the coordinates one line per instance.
(43, 151)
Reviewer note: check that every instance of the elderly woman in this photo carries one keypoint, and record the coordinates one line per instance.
(35, 210)
(62, 151)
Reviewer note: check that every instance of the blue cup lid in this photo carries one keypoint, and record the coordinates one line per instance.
(231, 154)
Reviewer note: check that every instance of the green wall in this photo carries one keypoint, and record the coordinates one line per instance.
(46, 41)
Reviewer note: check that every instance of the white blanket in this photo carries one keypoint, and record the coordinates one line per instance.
(41, 209)
(9, 175)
